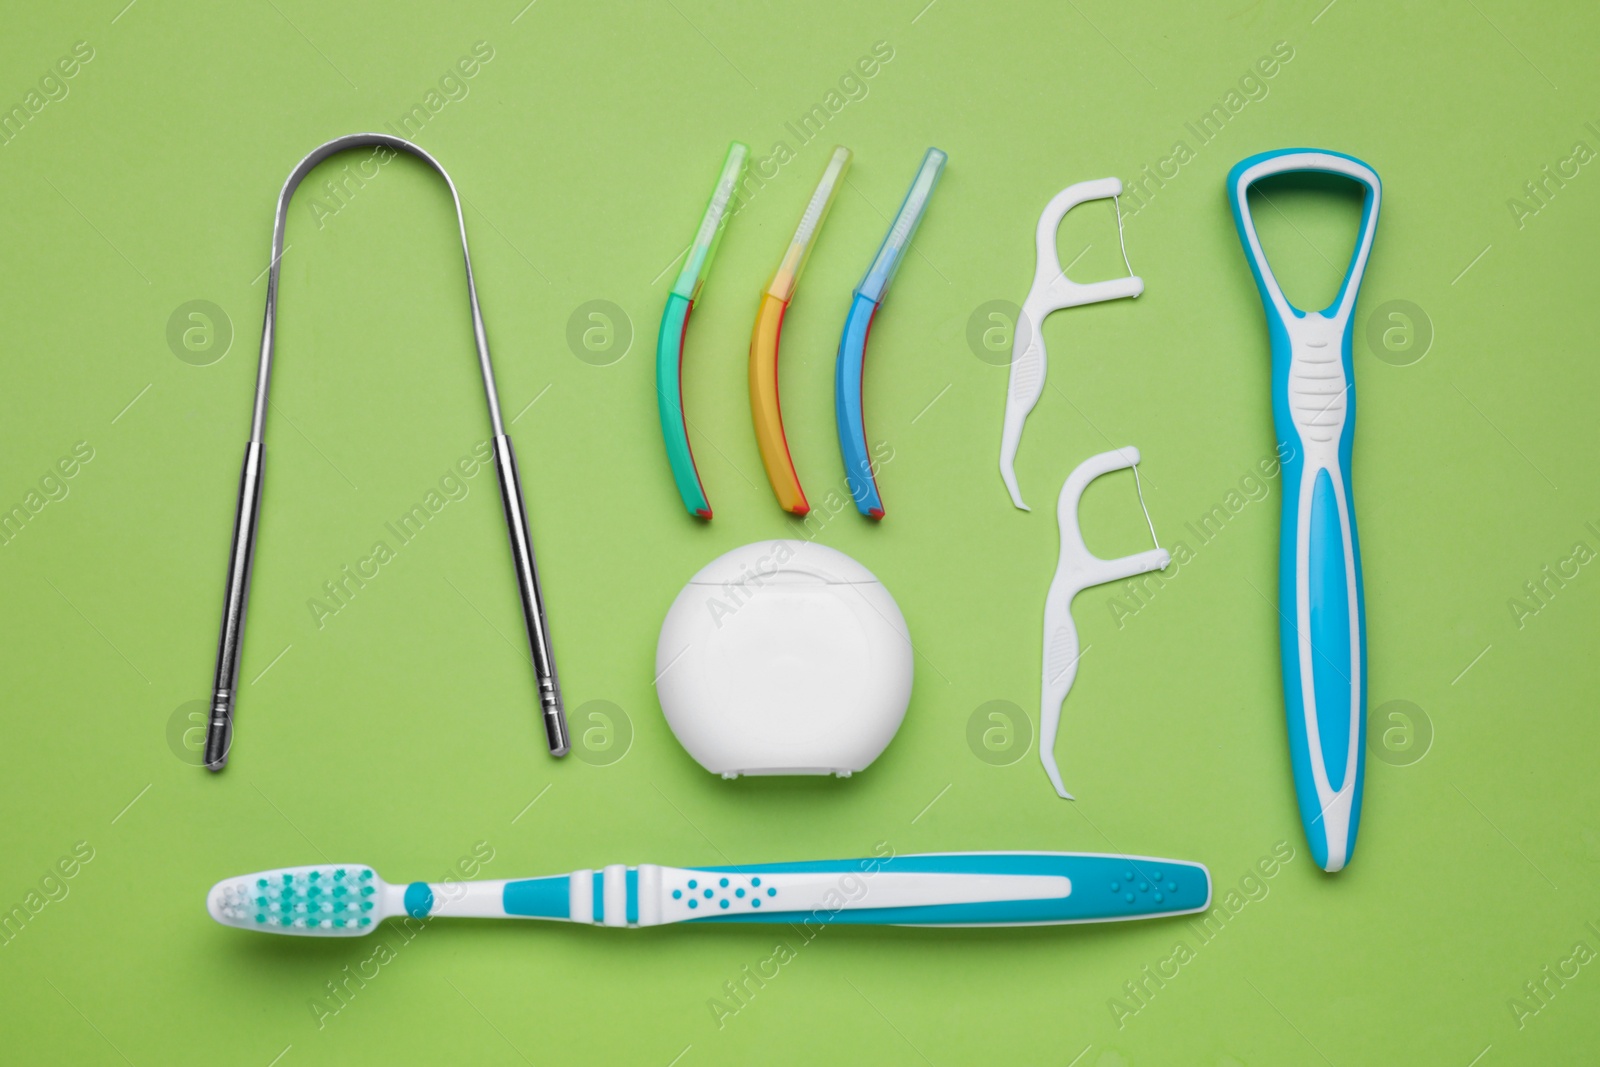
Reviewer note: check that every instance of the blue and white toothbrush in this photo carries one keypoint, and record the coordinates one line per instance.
(936, 889)
(1321, 611)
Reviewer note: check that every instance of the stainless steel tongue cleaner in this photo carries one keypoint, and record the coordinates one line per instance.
(1052, 290)
(219, 730)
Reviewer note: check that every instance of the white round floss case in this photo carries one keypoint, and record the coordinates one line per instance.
(784, 657)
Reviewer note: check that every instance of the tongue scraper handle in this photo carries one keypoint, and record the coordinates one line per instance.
(1077, 570)
(849, 416)
(675, 326)
(1052, 290)
(1321, 609)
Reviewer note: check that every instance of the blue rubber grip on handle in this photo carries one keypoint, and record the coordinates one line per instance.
(1322, 638)
(1321, 607)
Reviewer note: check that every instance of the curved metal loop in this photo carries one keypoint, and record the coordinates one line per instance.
(219, 729)
(306, 166)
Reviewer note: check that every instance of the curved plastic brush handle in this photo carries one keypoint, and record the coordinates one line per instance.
(669, 398)
(1051, 291)
(766, 411)
(675, 325)
(1321, 608)
(859, 470)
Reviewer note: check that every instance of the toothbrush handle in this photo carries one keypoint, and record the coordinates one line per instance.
(941, 889)
(533, 617)
(241, 557)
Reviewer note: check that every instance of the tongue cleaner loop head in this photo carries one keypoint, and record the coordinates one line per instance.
(1077, 570)
(1051, 291)
(1247, 172)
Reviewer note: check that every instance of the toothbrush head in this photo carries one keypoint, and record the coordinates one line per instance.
(331, 900)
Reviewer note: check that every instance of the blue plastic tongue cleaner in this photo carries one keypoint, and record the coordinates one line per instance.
(1077, 570)
(1321, 613)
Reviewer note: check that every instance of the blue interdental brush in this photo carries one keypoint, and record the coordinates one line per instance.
(859, 468)
(937, 889)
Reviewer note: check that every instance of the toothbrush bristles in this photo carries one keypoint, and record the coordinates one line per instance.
(329, 900)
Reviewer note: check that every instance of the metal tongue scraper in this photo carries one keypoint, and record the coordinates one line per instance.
(224, 689)
(1077, 570)
(1322, 631)
(1052, 290)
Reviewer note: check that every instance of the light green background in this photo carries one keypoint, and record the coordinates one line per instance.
(402, 733)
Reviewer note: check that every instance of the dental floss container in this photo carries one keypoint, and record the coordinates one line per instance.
(784, 657)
